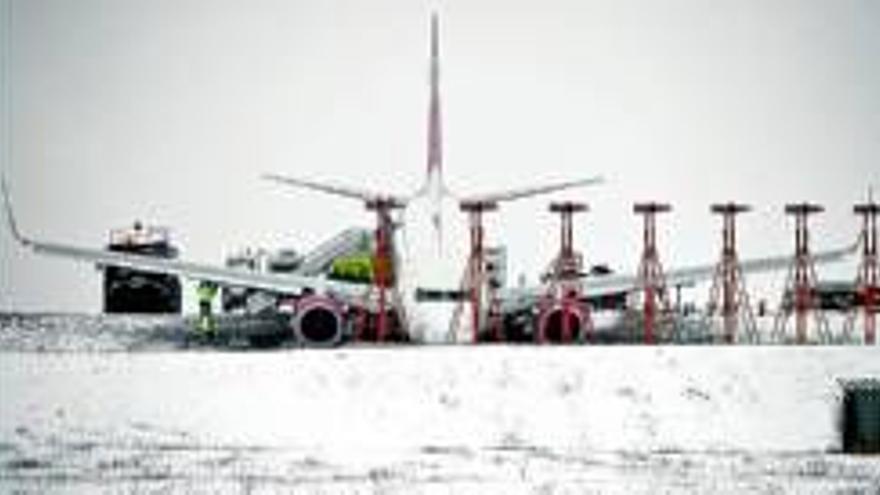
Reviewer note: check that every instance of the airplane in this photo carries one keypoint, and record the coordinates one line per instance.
(437, 268)
(428, 261)
(324, 310)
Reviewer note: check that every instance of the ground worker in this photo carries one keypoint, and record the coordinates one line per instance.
(206, 292)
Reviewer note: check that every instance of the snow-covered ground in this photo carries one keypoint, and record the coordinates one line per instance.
(487, 419)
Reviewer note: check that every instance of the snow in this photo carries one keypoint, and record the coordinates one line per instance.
(441, 419)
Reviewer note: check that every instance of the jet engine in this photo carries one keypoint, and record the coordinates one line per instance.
(318, 322)
(553, 327)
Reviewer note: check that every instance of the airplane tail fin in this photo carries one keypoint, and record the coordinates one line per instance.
(435, 137)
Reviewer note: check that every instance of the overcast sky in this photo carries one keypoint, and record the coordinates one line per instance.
(168, 111)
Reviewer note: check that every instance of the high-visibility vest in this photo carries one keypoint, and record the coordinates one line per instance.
(206, 292)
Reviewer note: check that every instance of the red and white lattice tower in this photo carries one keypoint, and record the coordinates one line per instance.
(801, 281)
(383, 279)
(651, 281)
(562, 315)
(868, 279)
(728, 296)
(474, 281)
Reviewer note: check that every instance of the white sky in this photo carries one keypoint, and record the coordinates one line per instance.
(168, 111)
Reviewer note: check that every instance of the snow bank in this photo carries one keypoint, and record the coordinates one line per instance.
(572, 398)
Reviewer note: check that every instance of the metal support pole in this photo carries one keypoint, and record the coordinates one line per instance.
(651, 278)
(381, 266)
(868, 280)
(564, 289)
(475, 277)
(476, 265)
(728, 276)
(382, 260)
(802, 282)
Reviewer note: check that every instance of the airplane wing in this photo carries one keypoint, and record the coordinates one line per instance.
(612, 284)
(514, 194)
(757, 265)
(336, 189)
(368, 195)
(283, 283)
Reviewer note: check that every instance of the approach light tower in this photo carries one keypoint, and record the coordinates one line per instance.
(868, 279)
(383, 266)
(563, 297)
(651, 280)
(728, 280)
(474, 280)
(801, 280)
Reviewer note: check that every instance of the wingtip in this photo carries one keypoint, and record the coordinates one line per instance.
(278, 179)
(594, 180)
(10, 215)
